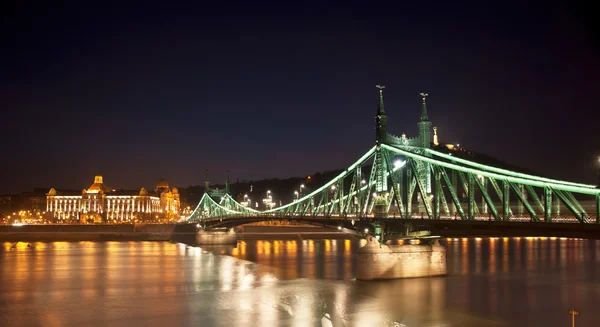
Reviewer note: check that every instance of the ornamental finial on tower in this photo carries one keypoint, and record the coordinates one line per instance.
(424, 116)
(380, 108)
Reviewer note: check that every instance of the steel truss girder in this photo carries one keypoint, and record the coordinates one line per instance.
(567, 202)
(469, 188)
(410, 185)
(422, 189)
(574, 201)
(452, 192)
(370, 183)
(548, 204)
(487, 198)
(437, 193)
(343, 204)
(533, 195)
(395, 185)
(519, 194)
(501, 196)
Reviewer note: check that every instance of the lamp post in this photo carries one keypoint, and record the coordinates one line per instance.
(573, 313)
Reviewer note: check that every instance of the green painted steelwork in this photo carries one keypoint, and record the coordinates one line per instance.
(519, 193)
(432, 173)
(548, 204)
(452, 192)
(471, 194)
(487, 198)
(505, 171)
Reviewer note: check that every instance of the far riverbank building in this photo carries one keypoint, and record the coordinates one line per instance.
(99, 204)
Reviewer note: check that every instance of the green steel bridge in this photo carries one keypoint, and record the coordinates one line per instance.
(414, 178)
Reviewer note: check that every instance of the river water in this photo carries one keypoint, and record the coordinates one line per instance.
(491, 282)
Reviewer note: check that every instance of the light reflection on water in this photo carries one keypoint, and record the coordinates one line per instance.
(491, 282)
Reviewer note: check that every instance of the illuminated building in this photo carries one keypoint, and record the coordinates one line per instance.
(100, 203)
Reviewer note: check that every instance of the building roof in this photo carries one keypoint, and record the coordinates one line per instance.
(162, 183)
(98, 186)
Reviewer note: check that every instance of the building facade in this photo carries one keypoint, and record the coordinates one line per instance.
(101, 204)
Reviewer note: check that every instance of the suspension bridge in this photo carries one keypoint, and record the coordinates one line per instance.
(417, 178)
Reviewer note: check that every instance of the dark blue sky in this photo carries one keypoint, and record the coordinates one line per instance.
(285, 89)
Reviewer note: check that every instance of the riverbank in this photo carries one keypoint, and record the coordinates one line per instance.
(125, 232)
(184, 233)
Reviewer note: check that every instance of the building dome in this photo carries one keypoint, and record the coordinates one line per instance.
(174, 190)
(143, 192)
(98, 186)
(162, 183)
(52, 192)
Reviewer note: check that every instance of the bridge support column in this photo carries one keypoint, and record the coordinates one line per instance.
(506, 200)
(547, 204)
(409, 192)
(471, 193)
(455, 188)
(520, 204)
(484, 206)
(438, 192)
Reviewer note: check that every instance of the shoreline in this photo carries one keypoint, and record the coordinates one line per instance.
(186, 233)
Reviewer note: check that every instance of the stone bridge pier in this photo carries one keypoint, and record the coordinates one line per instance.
(382, 261)
(216, 237)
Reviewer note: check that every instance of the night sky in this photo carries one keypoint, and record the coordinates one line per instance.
(287, 89)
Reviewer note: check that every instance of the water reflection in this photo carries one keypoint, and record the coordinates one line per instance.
(322, 259)
(491, 282)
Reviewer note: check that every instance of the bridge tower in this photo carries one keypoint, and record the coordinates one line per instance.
(227, 182)
(424, 169)
(381, 187)
(380, 119)
(206, 183)
(424, 124)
